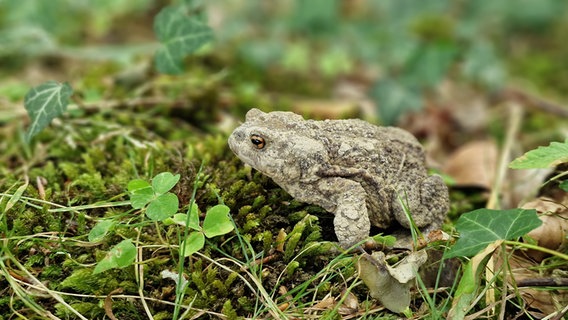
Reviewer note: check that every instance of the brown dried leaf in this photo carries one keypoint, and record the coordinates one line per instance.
(473, 164)
(350, 303)
(554, 229)
(327, 109)
(546, 301)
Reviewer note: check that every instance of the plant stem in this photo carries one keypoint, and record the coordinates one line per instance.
(534, 247)
(181, 283)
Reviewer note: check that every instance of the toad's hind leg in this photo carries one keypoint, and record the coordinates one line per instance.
(427, 202)
(351, 220)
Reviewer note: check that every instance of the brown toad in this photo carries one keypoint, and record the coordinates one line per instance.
(358, 171)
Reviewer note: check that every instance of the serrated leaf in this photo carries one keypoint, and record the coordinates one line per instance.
(180, 35)
(120, 256)
(141, 193)
(163, 207)
(194, 242)
(44, 103)
(481, 227)
(217, 221)
(100, 230)
(543, 157)
(164, 181)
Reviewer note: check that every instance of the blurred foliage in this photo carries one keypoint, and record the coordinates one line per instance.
(136, 122)
(405, 47)
(411, 45)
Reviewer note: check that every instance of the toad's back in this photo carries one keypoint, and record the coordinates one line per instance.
(384, 152)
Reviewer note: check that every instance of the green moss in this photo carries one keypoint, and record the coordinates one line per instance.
(229, 311)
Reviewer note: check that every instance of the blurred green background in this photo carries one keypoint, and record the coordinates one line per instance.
(400, 51)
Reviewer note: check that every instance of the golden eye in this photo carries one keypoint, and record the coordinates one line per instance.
(257, 141)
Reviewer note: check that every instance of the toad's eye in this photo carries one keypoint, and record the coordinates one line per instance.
(257, 141)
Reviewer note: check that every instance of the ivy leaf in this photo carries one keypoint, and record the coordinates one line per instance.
(429, 64)
(481, 227)
(180, 35)
(120, 256)
(394, 99)
(44, 103)
(163, 207)
(164, 181)
(482, 65)
(217, 221)
(543, 157)
(100, 230)
(194, 242)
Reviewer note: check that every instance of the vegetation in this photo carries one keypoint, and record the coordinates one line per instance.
(120, 199)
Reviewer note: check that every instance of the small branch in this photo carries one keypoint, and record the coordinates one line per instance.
(536, 102)
(543, 282)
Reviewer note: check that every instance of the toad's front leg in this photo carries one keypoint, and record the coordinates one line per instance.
(351, 220)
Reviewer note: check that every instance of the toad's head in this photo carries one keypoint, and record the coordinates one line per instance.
(278, 145)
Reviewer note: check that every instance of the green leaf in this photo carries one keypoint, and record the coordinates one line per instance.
(120, 256)
(137, 184)
(194, 242)
(193, 222)
(564, 185)
(394, 98)
(16, 196)
(180, 35)
(100, 230)
(178, 218)
(141, 193)
(482, 65)
(44, 103)
(217, 221)
(429, 64)
(543, 157)
(481, 227)
(163, 207)
(164, 181)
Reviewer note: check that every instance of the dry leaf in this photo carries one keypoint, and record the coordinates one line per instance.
(350, 303)
(390, 285)
(327, 109)
(554, 229)
(280, 239)
(473, 164)
(546, 301)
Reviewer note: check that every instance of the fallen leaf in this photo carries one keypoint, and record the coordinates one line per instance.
(473, 164)
(390, 285)
(553, 232)
(469, 284)
(523, 269)
(350, 303)
(327, 109)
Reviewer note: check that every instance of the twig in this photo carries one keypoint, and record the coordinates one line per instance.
(108, 303)
(530, 100)
(543, 282)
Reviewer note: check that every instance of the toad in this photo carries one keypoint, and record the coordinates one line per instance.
(363, 174)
